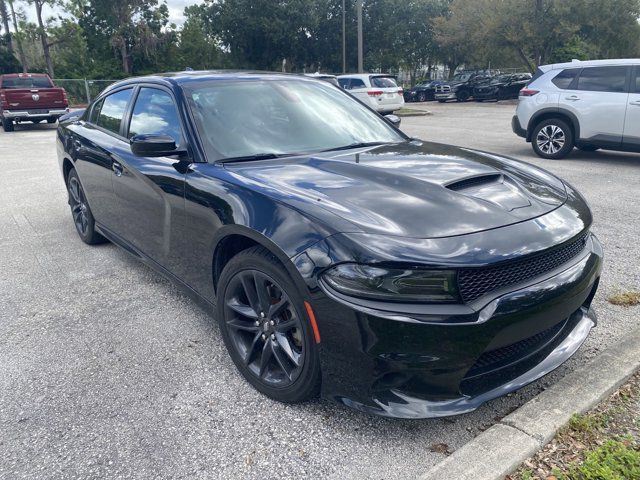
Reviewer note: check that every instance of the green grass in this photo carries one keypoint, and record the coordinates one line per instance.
(588, 423)
(614, 460)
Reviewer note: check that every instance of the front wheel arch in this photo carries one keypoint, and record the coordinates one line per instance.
(233, 239)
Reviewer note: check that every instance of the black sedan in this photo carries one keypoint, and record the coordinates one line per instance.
(339, 257)
(502, 87)
(423, 92)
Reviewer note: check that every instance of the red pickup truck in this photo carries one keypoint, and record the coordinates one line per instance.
(30, 97)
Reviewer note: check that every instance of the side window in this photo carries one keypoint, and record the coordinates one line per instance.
(636, 81)
(155, 113)
(603, 79)
(564, 78)
(95, 111)
(112, 111)
(356, 83)
(344, 83)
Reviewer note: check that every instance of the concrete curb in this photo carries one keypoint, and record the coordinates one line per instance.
(415, 113)
(503, 447)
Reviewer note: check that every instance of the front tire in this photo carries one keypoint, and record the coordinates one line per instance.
(422, 97)
(265, 327)
(80, 211)
(7, 125)
(552, 139)
(462, 96)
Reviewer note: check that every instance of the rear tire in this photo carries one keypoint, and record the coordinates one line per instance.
(552, 139)
(80, 211)
(52, 120)
(266, 329)
(7, 125)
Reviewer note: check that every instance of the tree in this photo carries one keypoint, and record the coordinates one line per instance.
(4, 15)
(42, 32)
(23, 58)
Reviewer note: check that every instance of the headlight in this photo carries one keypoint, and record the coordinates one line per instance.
(414, 285)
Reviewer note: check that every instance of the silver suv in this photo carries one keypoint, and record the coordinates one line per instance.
(588, 105)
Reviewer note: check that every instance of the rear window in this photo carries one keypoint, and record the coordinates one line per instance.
(383, 82)
(26, 82)
(603, 79)
(537, 75)
(112, 110)
(565, 77)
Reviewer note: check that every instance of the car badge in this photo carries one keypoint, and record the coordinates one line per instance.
(35, 97)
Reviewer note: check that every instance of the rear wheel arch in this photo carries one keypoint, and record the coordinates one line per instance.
(67, 166)
(560, 114)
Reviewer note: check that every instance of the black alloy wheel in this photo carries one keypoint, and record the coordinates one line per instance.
(262, 323)
(80, 211)
(422, 97)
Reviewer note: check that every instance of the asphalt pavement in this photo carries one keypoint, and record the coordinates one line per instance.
(108, 371)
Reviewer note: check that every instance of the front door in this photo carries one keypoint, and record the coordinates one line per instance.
(631, 135)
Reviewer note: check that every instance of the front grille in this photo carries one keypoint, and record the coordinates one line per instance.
(476, 282)
(443, 89)
(516, 351)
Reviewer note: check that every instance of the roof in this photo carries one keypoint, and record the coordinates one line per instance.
(188, 76)
(365, 75)
(591, 63)
(22, 75)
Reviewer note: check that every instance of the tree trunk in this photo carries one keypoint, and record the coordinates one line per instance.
(23, 57)
(452, 68)
(5, 24)
(43, 38)
(124, 53)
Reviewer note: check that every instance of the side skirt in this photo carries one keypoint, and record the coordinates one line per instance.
(205, 304)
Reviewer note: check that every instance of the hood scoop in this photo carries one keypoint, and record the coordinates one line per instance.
(495, 188)
(478, 180)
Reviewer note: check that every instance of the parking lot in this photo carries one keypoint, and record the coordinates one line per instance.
(106, 369)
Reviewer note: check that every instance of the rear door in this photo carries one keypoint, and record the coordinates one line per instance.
(631, 136)
(358, 89)
(150, 191)
(597, 96)
(95, 142)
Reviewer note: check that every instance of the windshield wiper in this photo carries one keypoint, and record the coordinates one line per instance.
(357, 145)
(255, 156)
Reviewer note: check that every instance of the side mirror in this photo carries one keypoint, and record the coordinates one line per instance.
(154, 146)
(393, 120)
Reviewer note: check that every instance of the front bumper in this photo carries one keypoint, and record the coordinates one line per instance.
(34, 114)
(445, 96)
(437, 365)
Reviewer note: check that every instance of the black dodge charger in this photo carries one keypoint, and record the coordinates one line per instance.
(339, 257)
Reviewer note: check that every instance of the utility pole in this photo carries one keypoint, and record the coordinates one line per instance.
(360, 49)
(344, 37)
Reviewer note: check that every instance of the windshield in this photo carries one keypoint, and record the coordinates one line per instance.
(26, 82)
(461, 77)
(501, 79)
(247, 118)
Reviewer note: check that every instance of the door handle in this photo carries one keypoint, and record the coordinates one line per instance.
(573, 98)
(117, 168)
(635, 103)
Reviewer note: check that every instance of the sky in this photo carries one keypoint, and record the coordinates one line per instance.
(176, 8)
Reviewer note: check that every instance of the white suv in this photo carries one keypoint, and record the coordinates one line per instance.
(379, 91)
(588, 105)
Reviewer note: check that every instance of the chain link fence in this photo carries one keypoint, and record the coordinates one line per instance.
(81, 91)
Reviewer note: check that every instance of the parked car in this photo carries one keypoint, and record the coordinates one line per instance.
(332, 79)
(379, 91)
(30, 97)
(460, 88)
(502, 87)
(341, 257)
(423, 92)
(583, 104)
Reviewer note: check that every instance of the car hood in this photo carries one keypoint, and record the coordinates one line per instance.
(414, 189)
